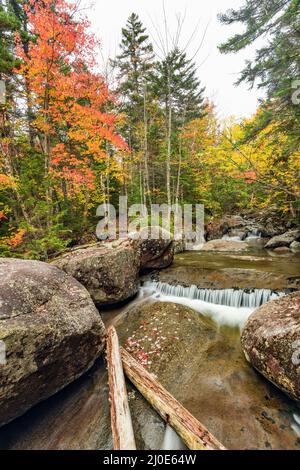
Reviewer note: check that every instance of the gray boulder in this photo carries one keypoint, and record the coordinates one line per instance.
(283, 240)
(108, 271)
(154, 246)
(50, 333)
(271, 342)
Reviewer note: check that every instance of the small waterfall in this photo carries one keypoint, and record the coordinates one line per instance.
(230, 297)
(232, 238)
(254, 235)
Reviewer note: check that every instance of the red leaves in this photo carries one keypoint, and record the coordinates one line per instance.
(150, 341)
(71, 98)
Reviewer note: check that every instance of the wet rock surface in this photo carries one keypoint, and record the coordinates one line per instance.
(295, 246)
(224, 245)
(51, 330)
(271, 342)
(201, 364)
(109, 271)
(239, 270)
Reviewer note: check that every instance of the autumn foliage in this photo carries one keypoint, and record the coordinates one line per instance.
(73, 123)
(70, 141)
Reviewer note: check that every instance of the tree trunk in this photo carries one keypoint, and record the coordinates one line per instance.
(169, 134)
(121, 423)
(180, 161)
(191, 431)
(141, 184)
(47, 158)
(178, 173)
(146, 148)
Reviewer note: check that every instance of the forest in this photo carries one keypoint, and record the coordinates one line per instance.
(183, 333)
(72, 137)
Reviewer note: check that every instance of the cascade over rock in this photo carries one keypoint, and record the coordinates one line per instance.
(230, 297)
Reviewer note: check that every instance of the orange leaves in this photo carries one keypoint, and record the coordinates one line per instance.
(72, 169)
(73, 101)
(6, 182)
(15, 240)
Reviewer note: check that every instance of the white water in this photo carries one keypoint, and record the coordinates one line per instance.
(231, 239)
(250, 237)
(230, 297)
(230, 307)
(296, 425)
(172, 441)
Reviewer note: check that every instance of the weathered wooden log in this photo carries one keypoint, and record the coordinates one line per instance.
(191, 431)
(121, 423)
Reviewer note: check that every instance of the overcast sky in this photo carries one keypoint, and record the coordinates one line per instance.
(217, 72)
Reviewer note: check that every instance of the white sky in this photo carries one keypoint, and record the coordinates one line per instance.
(217, 72)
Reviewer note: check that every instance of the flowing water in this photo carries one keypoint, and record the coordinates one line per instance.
(229, 307)
(225, 389)
(251, 237)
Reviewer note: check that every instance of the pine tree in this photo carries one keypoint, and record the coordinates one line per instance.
(179, 91)
(178, 86)
(134, 64)
(8, 25)
(276, 67)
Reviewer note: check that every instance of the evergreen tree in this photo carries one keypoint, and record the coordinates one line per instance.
(134, 64)
(8, 25)
(178, 87)
(179, 92)
(276, 67)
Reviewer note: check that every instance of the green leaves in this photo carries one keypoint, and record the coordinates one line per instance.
(277, 63)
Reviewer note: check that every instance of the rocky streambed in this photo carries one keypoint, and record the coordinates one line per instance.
(197, 358)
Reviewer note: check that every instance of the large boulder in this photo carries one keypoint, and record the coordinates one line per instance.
(284, 240)
(50, 332)
(271, 342)
(224, 245)
(108, 271)
(154, 246)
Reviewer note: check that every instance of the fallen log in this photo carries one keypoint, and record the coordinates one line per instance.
(121, 423)
(191, 431)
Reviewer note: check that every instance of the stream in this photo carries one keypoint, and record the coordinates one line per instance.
(236, 403)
